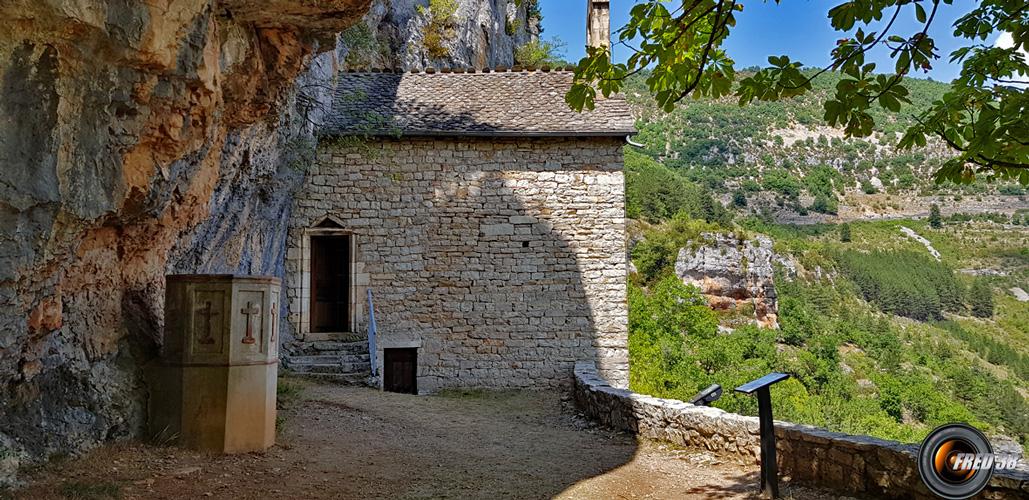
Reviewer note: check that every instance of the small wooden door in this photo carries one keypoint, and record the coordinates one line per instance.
(330, 283)
(399, 370)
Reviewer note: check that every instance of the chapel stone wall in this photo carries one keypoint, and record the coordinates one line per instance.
(502, 260)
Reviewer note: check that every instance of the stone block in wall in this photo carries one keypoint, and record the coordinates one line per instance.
(523, 257)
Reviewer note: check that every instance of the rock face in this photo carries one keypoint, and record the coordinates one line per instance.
(732, 274)
(145, 138)
(481, 34)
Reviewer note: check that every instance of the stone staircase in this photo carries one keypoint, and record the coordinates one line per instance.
(332, 357)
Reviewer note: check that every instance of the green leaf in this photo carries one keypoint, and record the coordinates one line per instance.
(889, 102)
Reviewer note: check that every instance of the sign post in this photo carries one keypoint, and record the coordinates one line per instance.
(769, 469)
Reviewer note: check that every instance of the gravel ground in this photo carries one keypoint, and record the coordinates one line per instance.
(348, 442)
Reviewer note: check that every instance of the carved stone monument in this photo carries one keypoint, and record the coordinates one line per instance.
(214, 388)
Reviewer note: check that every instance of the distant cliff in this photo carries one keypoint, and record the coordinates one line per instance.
(733, 274)
(137, 141)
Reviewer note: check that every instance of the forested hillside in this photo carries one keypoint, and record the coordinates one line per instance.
(883, 333)
(779, 156)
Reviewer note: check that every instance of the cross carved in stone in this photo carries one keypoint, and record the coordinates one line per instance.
(207, 313)
(275, 321)
(249, 311)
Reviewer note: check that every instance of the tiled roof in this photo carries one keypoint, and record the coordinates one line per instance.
(493, 103)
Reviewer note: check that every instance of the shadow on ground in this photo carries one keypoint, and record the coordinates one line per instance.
(340, 442)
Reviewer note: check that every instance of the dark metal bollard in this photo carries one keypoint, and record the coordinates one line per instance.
(769, 469)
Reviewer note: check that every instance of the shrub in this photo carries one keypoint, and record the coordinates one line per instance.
(739, 199)
(361, 44)
(782, 182)
(868, 188)
(655, 255)
(1011, 190)
(539, 53)
(845, 233)
(440, 27)
(826, 204)
(660, 321)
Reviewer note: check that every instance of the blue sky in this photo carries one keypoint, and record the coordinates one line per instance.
(798, 28)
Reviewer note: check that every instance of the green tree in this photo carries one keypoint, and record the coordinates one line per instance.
(981, 117)
(935, 220)
(980, 298)
(845, 233)
(739, 199)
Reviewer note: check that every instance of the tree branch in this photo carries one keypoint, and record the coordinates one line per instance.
(863, 49)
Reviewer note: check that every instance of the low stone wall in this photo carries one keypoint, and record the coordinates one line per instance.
(859, 465)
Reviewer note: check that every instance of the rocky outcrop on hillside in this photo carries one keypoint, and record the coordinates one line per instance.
(142, 138)
(732, 274)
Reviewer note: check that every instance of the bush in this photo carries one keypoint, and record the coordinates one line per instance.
(782, 182)
(440, 28)
(739, 199)
(825, 204)
(1011, 190)
(660, 321)
(750, 186)
(539, 53)
(868, 188)
(845, 233)
(655, 255)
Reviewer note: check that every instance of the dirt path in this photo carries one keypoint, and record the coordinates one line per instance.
(342, 442)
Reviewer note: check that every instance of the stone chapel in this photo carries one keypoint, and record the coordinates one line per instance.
(485, 217)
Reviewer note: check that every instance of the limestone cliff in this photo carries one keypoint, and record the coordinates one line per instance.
(141, 138)
(477, 34)
(733, 274)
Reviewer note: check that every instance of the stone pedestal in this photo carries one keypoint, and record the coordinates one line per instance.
(214, 388)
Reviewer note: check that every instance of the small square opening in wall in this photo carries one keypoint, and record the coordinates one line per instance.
(400, 370)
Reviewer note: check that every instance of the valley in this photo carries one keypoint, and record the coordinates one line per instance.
(891, 320)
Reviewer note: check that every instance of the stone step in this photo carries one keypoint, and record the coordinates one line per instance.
(336, 337)
(339, 368)
(338, 378)
(335, 346)
(324, 359)
(327, 348)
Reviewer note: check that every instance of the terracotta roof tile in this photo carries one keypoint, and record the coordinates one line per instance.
(495, 103)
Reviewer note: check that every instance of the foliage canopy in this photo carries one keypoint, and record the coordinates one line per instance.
(980, 117)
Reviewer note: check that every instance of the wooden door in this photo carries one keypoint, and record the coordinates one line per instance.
(399, 370)
(330, 283)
